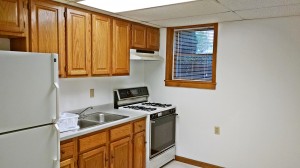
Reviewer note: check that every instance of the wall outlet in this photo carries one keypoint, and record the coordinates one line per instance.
(92, 93)
(217, 130)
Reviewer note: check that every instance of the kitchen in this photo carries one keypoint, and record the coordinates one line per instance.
(255, 101)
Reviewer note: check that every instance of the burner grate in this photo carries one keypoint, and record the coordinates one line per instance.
(140, 108)
(157, 104)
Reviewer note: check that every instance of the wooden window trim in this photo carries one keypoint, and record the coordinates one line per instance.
(169, 61)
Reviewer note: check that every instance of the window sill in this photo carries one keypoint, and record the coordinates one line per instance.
(191, 84)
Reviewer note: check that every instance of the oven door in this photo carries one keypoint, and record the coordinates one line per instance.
(162, 134)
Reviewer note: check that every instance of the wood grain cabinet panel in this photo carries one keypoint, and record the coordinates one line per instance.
(78, 43)
(101, 45)
(91, 141)
(48, 30)
(139, 150)
(67, 150)
(153, 38)
(11, 16)
(139, 36)
(139, 126)
(121, 153)
(121, 46)
(94, 159)
(120, 132)
(69, 163)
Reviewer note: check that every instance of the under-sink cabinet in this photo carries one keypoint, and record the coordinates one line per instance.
(121, 146)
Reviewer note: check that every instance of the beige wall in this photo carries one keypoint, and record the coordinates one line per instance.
(256, 103)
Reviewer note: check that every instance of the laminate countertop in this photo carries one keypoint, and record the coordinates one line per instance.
(107, 108)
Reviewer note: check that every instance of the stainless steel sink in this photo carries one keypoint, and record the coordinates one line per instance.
(86, 123)
(107, 117)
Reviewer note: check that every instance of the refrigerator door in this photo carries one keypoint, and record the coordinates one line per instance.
(28, 90)
(32, 148)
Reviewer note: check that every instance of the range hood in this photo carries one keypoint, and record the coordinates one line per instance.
(143, 55)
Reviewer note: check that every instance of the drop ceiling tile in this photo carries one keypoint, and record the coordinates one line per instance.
(203, 19)
(255, 4)
(194, 8)
(279, 11)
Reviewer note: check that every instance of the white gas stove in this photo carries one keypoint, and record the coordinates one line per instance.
(160, 124)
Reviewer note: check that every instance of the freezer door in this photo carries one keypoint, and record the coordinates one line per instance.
(31, 148)
(27, 89)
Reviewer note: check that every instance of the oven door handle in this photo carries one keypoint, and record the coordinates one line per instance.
(153, 120)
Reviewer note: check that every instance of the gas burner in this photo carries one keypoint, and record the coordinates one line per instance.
(140, 108)
(156, 104)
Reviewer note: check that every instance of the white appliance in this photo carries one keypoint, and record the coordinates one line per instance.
(160, 124)
(29, 136)
(141, 55)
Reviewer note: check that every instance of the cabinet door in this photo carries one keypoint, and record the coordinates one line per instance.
(139, 150)
(101, 45)
(94, 159)
(11, 16)
(78, 43)
(121, 153)
(69, 163)
(153, 38)
(139, 35)
(121, 46)
(48, 30)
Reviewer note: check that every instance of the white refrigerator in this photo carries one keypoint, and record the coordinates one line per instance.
(29, 136)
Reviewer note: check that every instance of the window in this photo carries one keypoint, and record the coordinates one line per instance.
(191, 56)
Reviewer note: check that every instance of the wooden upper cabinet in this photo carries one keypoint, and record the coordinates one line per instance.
(153, 38)
(78, 43)
(11, 16)
(48, 30)
(121, 153)
(138, 36)
(121, 46)
(94, 159)
(101, 45)
(144, 37)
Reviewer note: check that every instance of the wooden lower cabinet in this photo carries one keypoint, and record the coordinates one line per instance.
(121, 153)
(118, 147)
(139, 150)
(96, 158)
(69, 163)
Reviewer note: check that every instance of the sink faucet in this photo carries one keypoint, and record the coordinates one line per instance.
(81, 114)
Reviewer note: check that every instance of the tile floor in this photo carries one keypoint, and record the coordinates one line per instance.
(176, 164)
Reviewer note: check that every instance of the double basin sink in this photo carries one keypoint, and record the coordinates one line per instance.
(95, 119)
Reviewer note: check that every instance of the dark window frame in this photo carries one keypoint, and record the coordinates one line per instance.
(169, 60)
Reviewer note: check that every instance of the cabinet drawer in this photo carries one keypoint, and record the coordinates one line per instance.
(120, 132)
(139, 126)
(67, 150)
(92, 141)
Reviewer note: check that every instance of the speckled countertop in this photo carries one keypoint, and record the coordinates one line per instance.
(107, 108)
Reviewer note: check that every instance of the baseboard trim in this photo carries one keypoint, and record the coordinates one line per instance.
(195, 162)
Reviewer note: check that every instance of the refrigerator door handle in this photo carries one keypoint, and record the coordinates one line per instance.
(57, 159)
(54, 58)
(57, 102)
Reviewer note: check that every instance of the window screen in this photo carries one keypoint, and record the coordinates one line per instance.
(193, 54)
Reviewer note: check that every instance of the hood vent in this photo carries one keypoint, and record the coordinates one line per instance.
(144, 55)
